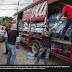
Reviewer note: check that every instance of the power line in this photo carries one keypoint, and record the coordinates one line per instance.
(10, 9)
(7, 9)
(10, 4)
(15, 4)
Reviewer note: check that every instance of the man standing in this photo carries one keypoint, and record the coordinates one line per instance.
(6, 37)
(12, 34)
(68, 10)
(1, 34)
(46, 45)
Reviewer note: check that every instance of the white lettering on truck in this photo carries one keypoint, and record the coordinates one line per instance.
(39, 10)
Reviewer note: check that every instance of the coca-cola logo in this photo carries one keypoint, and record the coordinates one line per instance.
(39, 10)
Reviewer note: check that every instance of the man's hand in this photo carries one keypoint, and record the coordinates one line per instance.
(52, 29)
(63, 20)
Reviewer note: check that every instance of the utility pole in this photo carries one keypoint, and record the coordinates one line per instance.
(18, 6)
(17, 16)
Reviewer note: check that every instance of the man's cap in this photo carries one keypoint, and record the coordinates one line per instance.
(8, 25)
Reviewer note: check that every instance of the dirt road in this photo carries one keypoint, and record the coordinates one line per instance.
(22, 58)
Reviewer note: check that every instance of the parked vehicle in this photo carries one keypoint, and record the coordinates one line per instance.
(32, 18)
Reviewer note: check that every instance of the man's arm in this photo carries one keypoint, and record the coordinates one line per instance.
(46, 32)
(60, 17)
(17, 33)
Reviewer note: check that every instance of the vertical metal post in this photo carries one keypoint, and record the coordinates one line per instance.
(71, 51)
(29, 37)
(18, 6)
(47, 21)
(17, 16)
(30, 27)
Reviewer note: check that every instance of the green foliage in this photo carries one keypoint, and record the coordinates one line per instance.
(6, 20)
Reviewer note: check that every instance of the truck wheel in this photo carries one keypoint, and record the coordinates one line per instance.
(35, 46)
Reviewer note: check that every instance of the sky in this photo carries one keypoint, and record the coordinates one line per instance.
(9, 7)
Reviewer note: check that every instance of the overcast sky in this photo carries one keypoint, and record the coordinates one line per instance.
(13, 8)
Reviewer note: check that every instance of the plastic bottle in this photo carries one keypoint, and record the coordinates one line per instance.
(52, 18)
(58, 27)
(31, 55)
(18, 39)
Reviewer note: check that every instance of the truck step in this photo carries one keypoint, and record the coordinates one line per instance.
(61, 41)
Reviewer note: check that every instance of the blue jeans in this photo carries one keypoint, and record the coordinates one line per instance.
(42, 49)
(6, 44)
(11, 54)
(68, 23)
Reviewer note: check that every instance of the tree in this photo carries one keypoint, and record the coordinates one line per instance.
(6, 20)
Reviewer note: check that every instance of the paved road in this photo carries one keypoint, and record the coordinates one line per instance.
(22, 58)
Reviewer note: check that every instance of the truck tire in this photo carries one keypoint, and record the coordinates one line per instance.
(35, 46)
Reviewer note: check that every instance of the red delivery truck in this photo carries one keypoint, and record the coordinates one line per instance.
(30, 20)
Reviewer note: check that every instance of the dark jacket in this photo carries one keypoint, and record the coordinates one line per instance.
(12, 34)
(46, 41)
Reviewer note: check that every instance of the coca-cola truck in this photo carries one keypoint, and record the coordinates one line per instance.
(30, 20)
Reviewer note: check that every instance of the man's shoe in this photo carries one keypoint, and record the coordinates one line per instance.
(5, 53)
(36, 63)
(7, 64)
